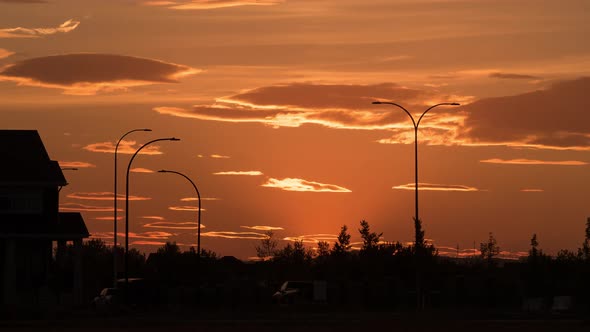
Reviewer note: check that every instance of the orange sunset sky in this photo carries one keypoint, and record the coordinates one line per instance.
(272, 102)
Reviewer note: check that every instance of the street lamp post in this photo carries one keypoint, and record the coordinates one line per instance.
(199, 210)
(127, 203)
(419, 236)
(115, 206)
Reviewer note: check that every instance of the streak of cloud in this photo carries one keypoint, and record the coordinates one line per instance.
(531, 190)
(194, 199)
(76, 164)
(235, 235)
(218, 156)
(4, 53)
(104, 196)
(141, 170)
(91, 73)
(249, 173)
(20, 32)
(174, 225)
(125, 147)
(87, 208)
(294, 184)
(312, 238)
(534, 162)
(209, 4)
(185, 208)
(512, 76)
(263, 228)
(436, 187)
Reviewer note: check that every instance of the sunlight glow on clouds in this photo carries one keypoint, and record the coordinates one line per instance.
(218, 156)
(87, 208)
(531, 190)
(174, 225)
(293, 184)
(76, 164)
(436, 187)
(193, 199)
(210, 4)
(185, 208)
(105, 196)
(236, 235)
(250, 173)
(141, 170)
(4, 53)
(89, 73)
(533, 162)
(125, 147)
(263, 228)
(20, 32)
(312, 238)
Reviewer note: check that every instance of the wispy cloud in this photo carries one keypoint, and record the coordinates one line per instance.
(107, 218)
(294, 184)
(156, 235)
(88, 208)
(250, 173)
(154, 217)
(89, 73)
(194, 199)
(218, 156)
(174, 225)
(513, 76)
(104, 196)
(4, 53)
(476, 123)
(263, 228)
(235, 235)
(209, 4)
(76, 164)
(532, 190)
(125, 147)
(333, 106)
(185, 208)
(21, 32)
(312, 238)
(436, 187)
(534, 162)
(141, 170)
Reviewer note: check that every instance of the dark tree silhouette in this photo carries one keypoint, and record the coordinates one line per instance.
(534, 252)
(267, 247)
(489, 249)
(323, 249)
(584, 252)
(370, 239)
(342, 244)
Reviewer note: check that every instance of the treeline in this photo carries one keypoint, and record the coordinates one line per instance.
(375, 276)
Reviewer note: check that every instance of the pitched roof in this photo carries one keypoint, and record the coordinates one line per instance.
(25, 160)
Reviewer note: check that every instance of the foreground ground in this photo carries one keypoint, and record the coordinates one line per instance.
(302, 322)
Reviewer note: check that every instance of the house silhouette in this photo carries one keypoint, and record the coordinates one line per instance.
(31, 225)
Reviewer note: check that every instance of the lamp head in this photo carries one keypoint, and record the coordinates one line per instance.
(174, 139)
(162, 171)
(376, 103)
(455, 104)
(146, 129)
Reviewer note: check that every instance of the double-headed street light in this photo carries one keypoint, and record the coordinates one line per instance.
(127, 202)
(419, 237)
(115, 206)
(199, 210)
